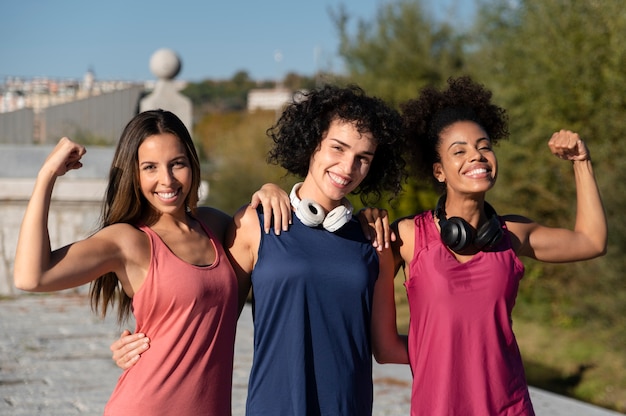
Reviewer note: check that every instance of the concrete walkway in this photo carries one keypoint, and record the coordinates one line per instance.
(55, 361)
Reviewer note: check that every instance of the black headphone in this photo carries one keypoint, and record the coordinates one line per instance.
(458, 235)
(312, 214)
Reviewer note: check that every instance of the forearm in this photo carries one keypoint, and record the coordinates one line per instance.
(33, 250)
(590, 215)
(394, 351)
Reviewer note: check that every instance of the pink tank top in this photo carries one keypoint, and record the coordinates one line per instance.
(190, 314)
(463, 354)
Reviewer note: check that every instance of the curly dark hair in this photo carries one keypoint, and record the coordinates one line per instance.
(434, 110)
(299, 131)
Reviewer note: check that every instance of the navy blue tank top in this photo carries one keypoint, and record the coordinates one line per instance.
(312, 310)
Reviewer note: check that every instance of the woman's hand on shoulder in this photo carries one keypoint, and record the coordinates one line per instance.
(375, 224)
(276, 207)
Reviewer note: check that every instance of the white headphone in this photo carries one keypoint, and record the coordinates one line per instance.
(312, 214)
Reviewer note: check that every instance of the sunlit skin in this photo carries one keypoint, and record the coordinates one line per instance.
(339, 165)
(164, 173)
(468, 167)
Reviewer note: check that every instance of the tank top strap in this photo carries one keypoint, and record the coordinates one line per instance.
(425, 230)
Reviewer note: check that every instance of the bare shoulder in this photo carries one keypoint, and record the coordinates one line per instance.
(405, 238)
(125, 236)
(246, 216)
(519, 228)
(245, 229)
(120, 231)
(404, 227)
(518, 225)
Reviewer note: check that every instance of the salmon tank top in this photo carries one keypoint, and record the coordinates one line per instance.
(189, 313)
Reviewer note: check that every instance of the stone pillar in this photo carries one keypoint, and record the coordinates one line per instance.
(165, 65)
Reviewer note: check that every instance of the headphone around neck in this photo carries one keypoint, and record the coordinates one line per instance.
(312, 214)
(458, 234)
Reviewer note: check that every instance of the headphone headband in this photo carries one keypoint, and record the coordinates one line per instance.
(312, 214)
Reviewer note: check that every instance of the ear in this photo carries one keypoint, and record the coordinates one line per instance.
(438, 172)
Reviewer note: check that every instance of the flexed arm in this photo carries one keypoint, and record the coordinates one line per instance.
(38, 269)
(588, 239)
(33, 246)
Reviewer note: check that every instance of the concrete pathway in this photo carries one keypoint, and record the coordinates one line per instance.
(55, 361)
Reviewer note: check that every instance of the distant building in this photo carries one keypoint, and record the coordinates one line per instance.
(42, 110)
(269, 99)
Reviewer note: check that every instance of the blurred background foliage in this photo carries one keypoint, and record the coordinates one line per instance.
(552, 64)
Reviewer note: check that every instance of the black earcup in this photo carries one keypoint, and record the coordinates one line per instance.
(490, 234)
(456, 233)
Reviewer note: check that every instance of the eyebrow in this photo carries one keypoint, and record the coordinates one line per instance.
(347, 145)
(174, 159)
(460, 142)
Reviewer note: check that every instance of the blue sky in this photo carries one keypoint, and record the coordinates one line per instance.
(214, 38)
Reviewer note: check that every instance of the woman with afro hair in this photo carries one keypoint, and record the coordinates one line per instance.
(462, 260)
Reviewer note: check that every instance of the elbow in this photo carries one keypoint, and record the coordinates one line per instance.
(601, 249)
(380, 357)
(397, 355)
(22, 283)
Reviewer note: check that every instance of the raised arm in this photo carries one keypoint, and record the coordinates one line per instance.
(39, 269)
(33, 254)
(588, 239)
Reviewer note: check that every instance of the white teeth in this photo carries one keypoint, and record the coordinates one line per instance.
(167, 195)
(338, 180)
(476, 172)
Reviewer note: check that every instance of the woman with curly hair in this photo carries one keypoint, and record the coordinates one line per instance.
(316, 287)
(462, 260)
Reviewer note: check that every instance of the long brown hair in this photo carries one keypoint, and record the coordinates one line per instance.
(124, 202)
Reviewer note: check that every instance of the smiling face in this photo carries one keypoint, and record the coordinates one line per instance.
(339, 165)
(467, 161)
(164, 173)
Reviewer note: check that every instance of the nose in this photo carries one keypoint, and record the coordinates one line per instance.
(167, 177)
(476, 154)
(351, 163)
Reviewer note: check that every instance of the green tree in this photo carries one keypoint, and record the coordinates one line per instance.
(560, 64)
(552, 64)
(400, 51)
(235, 147)
(393, 56)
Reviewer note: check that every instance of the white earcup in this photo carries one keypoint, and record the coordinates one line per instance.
(310, 213)
(338, 217)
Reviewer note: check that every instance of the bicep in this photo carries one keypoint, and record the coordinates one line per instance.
(82, 262)
(548, 244)
(241, 243)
